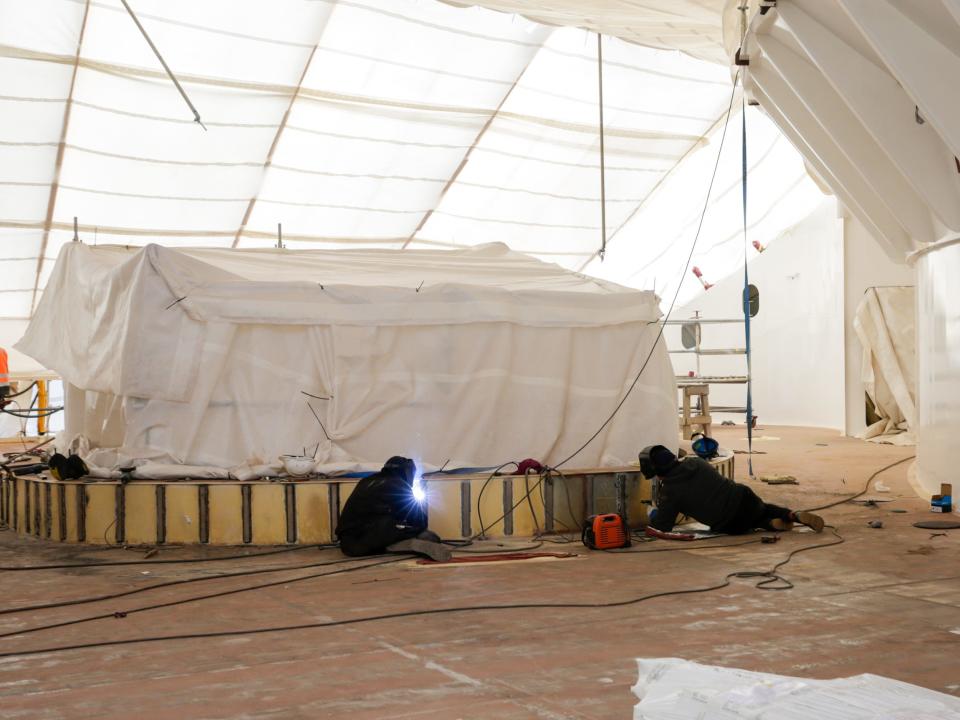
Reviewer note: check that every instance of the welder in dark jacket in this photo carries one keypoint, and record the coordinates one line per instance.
(693, 487)
(383, 514)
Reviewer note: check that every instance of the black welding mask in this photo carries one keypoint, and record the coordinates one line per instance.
(404, 467)
(656, 460)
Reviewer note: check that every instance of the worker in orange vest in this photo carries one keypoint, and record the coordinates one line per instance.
(4, 374)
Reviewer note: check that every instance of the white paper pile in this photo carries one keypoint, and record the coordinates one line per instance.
(675, 689)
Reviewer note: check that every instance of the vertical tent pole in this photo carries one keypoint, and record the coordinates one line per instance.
(603, 188)
(746, 291)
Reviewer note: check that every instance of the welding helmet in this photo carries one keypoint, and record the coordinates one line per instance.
(656, 460)
(404, 467)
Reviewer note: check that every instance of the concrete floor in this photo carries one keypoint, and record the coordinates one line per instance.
(886, 601)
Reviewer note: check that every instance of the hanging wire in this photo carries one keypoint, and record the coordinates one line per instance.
(676, 294)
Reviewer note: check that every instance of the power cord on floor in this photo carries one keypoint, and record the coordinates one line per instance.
(686, 547)
(866, 487)
(197, 598)
(771, 575)
(171, 561)
(171, 583)
(768, 577)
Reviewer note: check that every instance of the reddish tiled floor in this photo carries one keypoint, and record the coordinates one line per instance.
(868, 605)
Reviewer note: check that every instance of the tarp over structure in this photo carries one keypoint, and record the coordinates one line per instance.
(468, 357)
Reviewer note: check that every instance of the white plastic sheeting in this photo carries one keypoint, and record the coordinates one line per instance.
(938, 364)
(886, 325)
(474, 356)
(675, 689)
(367, 123)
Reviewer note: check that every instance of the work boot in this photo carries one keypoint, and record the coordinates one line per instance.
(812, 521)
(433, 550)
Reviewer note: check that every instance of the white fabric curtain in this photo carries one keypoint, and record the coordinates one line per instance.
(885, 322)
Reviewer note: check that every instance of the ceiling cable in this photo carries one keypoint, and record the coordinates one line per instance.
(673, 302)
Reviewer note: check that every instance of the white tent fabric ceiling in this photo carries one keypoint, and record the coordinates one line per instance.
(400, 124)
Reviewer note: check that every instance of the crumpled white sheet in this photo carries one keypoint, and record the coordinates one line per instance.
(676, 689)
(885, 324)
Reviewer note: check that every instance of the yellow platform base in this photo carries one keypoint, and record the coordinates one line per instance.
(217, 512)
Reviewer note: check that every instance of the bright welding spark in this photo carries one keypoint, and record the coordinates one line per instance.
(419, 494)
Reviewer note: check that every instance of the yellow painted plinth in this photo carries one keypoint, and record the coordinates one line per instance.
(278, 512)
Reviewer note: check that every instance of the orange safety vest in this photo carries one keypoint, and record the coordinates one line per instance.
(4, 369)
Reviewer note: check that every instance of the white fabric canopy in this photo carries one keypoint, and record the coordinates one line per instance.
(406, 124)
(692, 26)
(470, 357)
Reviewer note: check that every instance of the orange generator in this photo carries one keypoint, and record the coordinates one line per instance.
(605, 532)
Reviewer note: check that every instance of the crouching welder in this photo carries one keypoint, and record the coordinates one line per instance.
(693, 487)
(385, 514)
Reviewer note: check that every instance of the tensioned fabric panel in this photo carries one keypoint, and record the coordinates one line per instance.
(367, 123)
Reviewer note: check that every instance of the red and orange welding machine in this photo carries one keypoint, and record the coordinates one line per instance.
(605, 532)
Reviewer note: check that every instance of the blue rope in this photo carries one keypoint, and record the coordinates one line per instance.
(746, 294)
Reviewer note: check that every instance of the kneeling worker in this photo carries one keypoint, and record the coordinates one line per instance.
(385, 514)
(693, 487)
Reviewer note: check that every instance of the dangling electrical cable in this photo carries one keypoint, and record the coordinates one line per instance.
(676, 294)
(746, 290)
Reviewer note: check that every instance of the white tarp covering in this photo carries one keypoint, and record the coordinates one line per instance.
(406, 124)
(675, 689)
(886, 325)
(473, 356)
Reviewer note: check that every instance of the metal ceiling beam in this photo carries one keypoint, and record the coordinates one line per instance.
(58, 163)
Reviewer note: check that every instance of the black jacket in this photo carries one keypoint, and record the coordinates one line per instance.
(694, 488)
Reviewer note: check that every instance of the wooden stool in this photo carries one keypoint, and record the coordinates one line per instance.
(703, 421)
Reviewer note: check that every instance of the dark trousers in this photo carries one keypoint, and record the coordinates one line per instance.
(374, 536)
(754, 513)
